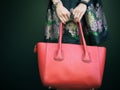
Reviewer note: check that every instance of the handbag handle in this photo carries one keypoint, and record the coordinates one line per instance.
(59, 54)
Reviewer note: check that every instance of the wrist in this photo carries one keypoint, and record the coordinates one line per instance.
(83, 5)
(57, 3)
(85, 2)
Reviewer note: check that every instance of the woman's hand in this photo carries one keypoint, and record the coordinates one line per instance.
(79, 11)
(62, 13)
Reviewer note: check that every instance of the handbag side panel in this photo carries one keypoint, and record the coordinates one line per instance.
(41, 53)
(102, 59)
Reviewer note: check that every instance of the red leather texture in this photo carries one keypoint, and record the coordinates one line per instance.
(71, 65)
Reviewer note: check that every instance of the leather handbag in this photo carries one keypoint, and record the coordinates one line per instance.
(65, 65)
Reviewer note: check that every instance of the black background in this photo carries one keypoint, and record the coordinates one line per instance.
(22, 26)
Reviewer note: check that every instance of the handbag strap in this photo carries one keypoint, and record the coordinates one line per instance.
(86, 56)
(59, 54)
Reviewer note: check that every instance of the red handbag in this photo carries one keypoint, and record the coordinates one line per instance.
(64, 65)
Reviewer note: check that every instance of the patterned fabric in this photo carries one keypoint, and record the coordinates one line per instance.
(97, 29)
(93, 23)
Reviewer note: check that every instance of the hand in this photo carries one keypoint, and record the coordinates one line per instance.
(79, 11)
(62, 13)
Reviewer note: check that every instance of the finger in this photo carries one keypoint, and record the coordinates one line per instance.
(74, 11)
(76, 19)
(68, 16)
(77, 15)
(80, 16)
(62, 19)
(65, 17)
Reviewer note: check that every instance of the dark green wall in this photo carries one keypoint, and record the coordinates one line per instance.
(22, 26)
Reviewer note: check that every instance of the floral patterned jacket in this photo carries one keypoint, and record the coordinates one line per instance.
(93, 22)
